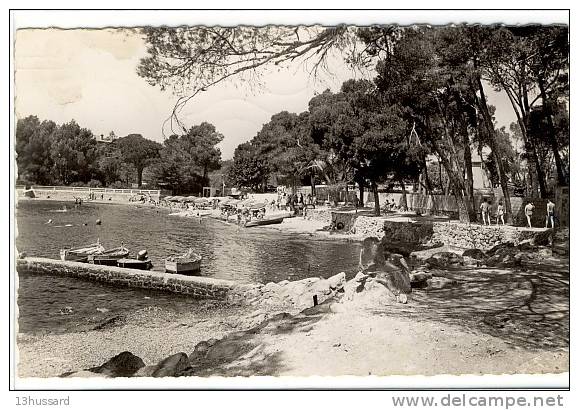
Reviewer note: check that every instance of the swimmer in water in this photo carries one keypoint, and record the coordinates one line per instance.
(48, 222)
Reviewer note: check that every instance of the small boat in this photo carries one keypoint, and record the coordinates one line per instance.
(81, 254)
(189, 262)
(135, 264)
(109, 257)
(142, 262)
(264, 221)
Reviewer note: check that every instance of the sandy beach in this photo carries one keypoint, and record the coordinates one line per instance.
(348, 338)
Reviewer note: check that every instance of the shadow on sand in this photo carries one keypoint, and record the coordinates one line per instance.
(526, 308)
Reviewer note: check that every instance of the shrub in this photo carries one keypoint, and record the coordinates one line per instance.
(94, 183)
(78, 184)
(117, 185)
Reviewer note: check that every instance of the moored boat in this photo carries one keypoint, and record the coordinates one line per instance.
(135, 263)
(187, 263)
(109, 257)
(81, 254)
(264, 221)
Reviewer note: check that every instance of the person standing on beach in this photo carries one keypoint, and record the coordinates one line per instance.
(529, 212)
(500, 212)
(550, 214)
(484, 208)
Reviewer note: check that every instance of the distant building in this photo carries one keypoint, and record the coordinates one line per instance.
(106, 138)
(480, 178)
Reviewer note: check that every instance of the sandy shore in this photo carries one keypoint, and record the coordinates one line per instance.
(350, 338)
(151, 334)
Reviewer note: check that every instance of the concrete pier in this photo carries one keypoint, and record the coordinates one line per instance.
(195, 286)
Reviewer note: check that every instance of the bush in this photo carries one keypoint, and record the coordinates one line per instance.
(78, 184)
(94, 183)
(117, 185)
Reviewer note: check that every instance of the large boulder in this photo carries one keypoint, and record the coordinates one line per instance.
(171, 366)
(124, 364)
(419, 278)
(501, 248)
(474, 254)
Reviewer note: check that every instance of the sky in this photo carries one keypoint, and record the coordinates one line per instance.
(90, 76)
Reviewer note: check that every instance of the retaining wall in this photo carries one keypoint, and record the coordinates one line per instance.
(454, 234)
(467, 236)
(70, 193)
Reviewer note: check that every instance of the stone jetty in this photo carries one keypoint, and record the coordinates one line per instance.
(292, 296)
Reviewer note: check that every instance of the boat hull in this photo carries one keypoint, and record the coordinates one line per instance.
(109, 259)
(183, 267)
(73, 256)
(263, 222)
(80, 254)
(134, 264)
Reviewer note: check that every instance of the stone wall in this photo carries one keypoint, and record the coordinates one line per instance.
(467, 236)
(320, 215)
(367, 226)
(70, 193)
(344, 221)
(285, 295)
(195, 286)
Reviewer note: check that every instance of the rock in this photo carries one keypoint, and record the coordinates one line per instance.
(124, 364)
(500, 248)
(439, 282)
(468, 261)
(443, 259)
(543, 252)
(271, 287)
(419, 279)
(543, 238)
(337, 281)
(474, 254)
(146, 371)
(360, 277)
(172, 365)
(402, 298)
(527, 245)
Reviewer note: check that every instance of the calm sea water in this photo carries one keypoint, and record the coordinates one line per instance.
(244, 255)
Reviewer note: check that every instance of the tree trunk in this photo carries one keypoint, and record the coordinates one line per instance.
(139, 176)
(494, 148)
(536, 175)
(374, 187)
(404, 200)
(427, 184)
(561, 178)
(361, 188)
(313, 184)
(468, 163)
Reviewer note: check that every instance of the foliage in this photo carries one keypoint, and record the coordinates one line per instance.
(138, 151)
(248, 169)
(186, 161)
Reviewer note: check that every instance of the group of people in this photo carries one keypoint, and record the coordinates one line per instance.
(390, 206)
(550, 217)
(294, 203)
(486, 205)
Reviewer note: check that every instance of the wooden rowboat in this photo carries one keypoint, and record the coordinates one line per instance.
(81, 254)
(187, 263)
(264, 221)
(135, 263)
(109, 257)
